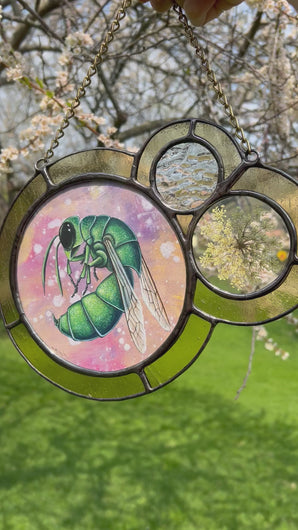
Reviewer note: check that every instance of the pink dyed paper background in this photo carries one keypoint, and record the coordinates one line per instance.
(159, 247)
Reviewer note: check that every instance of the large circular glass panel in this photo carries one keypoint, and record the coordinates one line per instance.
(186, 175)
(241, 245)
(101, 277)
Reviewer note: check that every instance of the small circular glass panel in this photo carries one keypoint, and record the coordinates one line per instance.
(241, 245)
(93, 277)
(186, 175)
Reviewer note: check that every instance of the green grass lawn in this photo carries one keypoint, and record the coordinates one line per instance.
(187, 457)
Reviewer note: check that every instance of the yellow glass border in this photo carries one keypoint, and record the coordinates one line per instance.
(101, 160)
(248, 312)
(191, 341)
(222, 142)
(274, 185)
(31, 193)
(84, 385)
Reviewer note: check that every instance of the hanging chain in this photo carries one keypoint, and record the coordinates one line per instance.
(70, 112)
(216, 86)
(115, 25)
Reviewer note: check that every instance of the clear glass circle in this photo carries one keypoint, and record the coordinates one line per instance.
(241, 245)
(186, 175)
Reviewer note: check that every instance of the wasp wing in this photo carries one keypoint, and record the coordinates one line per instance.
(151, 297)
(132, 306)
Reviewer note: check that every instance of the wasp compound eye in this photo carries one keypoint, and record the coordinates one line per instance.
(67, 235)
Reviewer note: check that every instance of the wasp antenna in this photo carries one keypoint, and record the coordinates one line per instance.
(57, 269)
(44, 265)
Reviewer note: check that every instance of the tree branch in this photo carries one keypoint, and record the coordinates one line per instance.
(142, 129)
(252, 351)
(21, 32)
(36, 15)
(248, 38)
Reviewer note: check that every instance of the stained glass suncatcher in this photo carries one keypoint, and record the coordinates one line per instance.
(116, 267)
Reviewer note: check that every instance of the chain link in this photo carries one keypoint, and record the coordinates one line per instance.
(216, 86)
(70, 112)
(115, 25)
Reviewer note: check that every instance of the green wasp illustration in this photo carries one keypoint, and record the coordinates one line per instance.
(105, 242)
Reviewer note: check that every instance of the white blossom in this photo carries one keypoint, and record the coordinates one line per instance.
(78, 39)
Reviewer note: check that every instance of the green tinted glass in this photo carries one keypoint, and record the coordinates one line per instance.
(221, 141)
(157, 142)
(106, 161)
(83, 384)
(282, 299)
(273, 185)
(33, 191)
(183, 352)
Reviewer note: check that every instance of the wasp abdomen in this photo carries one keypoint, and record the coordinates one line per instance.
(96, 313)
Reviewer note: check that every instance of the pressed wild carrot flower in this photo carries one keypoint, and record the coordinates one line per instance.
(238, 243)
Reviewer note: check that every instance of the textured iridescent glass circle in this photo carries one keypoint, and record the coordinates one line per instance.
(186, 175)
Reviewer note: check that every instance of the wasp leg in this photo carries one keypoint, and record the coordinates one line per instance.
(88, 278)
(87, 267)
(69, 273)
(79, 258)
(96, 262)
(82, 258)
(85, 273)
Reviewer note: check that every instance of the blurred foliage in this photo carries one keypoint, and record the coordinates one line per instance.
(183, 458)
(149, 76)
